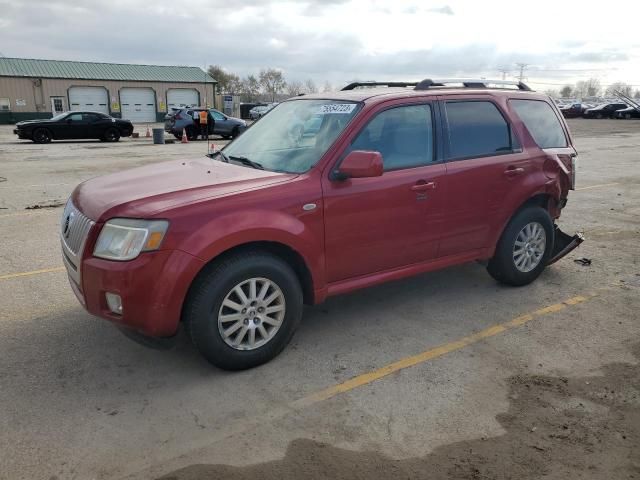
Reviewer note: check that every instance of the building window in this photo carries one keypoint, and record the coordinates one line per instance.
(5, 105)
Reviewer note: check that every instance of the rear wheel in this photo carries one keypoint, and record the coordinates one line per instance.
(192, 133)
(41, 135)
(111, 135)
(244, 310)
(524, 247)
(235, 132)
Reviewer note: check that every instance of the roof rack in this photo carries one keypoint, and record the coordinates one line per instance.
(428, 83)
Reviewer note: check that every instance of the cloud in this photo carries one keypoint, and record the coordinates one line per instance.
(335, 40)
(445, 10)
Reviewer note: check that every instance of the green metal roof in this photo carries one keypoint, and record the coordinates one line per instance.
(25, 67)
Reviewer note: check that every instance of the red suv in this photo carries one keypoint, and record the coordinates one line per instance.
(335, 192)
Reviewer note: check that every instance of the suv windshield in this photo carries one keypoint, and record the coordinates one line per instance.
(295, 135)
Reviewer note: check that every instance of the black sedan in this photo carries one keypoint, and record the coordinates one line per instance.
(629, 112)
(74, 125)
(606, 110)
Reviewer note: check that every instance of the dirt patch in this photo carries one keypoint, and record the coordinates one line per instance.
(556, 427)
(52, 204)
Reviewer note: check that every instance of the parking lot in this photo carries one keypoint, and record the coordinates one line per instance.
(447, 373)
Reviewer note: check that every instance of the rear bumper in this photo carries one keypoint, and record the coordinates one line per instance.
(152, 288)
(564, 244)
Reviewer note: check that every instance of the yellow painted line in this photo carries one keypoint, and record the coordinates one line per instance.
(407, 362)
(597, 186)
(33, 272)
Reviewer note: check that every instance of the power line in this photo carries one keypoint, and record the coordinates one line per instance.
(522, 66)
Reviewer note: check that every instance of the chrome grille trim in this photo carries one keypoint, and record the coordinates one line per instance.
(74, 229)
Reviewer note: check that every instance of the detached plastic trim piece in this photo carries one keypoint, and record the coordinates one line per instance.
(564, 244)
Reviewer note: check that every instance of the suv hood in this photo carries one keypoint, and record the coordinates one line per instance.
(145, 191)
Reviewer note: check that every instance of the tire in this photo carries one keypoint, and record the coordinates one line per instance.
(235, 132)
(111, 135)
(216, 287)
(41, 135)
(599, 115)
(503, 266)
(226, 137)
(178, 136)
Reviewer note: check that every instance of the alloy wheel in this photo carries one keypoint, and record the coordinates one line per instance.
(529, 247)
(251, 314)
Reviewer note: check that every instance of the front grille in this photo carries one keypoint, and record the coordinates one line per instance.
(74, 228)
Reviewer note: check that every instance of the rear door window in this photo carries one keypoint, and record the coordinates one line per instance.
(541, 121)
(477, 129)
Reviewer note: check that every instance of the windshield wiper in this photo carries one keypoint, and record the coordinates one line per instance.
(246, 161)
(222, 155)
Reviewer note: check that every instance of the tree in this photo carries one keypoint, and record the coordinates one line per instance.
(272, 81)
(294, 88)
(327, 87)
(250, 88)
(618, 87)
(593, 87)
(566, 91)
(637, 94)
(221, 76)
(310, 86)
(552, 93)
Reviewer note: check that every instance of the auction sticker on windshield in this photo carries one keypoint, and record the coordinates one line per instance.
(337, 108)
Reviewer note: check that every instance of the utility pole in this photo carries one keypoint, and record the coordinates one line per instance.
(504, 73)
(522, 66)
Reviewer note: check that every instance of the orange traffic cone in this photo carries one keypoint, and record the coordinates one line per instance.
(184, 137)
(212, 148)
(148, 134)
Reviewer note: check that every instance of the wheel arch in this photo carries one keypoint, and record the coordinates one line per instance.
(280, 250)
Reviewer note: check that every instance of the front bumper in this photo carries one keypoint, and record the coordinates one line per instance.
(152, 288)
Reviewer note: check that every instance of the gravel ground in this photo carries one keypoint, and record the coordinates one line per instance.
(554, 395)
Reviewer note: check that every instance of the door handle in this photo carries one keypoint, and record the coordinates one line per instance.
(422, 186)
(513, 171)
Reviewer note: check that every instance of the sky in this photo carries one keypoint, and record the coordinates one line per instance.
(561, 41)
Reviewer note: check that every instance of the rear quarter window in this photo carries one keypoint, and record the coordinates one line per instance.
(541, 121)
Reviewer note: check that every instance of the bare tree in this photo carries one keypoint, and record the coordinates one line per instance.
(220, 76)
(310, 86)
(552, 93)
(327, 87)
(618, 87)
(272, 81)
(593, 87)
(250, 88)
(294, 87)
(566, 91)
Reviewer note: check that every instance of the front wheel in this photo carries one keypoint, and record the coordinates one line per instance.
(242, 311)
(111, 135)
(42, 135)
(524, 248)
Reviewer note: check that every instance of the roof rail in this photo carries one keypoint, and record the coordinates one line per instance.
(355, 85)
(428, 83)
(470, 83)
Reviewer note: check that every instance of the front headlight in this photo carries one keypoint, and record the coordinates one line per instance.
(124, 238)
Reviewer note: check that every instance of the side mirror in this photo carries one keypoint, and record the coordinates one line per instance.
(360, 164)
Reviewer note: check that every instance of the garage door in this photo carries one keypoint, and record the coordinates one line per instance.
(182, 97)
(94, 99)
(138, 104)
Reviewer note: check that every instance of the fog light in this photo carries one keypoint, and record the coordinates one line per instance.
(114, 302)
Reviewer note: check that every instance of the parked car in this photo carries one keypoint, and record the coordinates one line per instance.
(233, 245)
(180, 119)
(261, 110)
(606, 110)
(572, 110)
(629, 112)
(74, 126)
